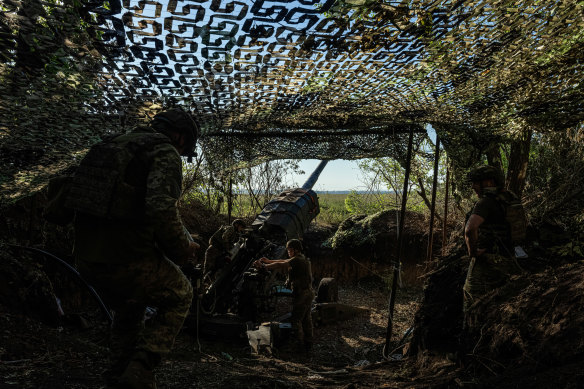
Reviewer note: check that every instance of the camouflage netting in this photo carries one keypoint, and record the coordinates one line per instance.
(282, 79)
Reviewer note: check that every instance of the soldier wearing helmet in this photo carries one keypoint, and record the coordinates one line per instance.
(300, 278)
(488, 237)
(221, 242)
(181, 128)
(130, 240)
(486, 176)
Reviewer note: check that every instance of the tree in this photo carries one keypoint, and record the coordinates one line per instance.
(244, 191)
(518, 162)
(391, 172)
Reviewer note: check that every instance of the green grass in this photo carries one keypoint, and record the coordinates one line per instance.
(334, 207)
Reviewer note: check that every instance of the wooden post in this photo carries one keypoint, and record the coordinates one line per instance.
(433, 205)
(230, 198)
(396, 262)
(445, 219)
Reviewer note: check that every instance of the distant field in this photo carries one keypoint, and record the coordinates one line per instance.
(332, 197)
(334, 207)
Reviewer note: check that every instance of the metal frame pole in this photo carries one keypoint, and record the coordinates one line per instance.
(433, 205)
(396, 262)
(230, 197)
(445, 220)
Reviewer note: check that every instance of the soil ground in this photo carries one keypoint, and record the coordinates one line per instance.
(346, 354)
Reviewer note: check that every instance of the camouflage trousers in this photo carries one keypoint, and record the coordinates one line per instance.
(485, 273)
(131, 287)
(301, 319)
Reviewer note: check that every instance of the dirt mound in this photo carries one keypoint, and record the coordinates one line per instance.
(374, 232)
(200, 220)
(364, 246)
(527, 333)
(438, 322)
(535, 322)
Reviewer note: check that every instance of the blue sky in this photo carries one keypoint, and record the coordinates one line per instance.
(339, 174)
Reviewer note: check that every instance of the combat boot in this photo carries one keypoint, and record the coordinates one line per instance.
(138, 374)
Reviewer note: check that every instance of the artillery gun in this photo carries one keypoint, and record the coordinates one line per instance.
(240, 293)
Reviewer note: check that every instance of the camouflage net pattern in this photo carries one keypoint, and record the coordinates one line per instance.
(282, 79)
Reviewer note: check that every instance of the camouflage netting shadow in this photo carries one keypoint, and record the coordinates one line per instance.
(313, 144)
(309, 79)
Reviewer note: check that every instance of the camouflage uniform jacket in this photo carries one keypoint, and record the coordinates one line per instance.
(494, 233)
(157, 227)
(300, 274)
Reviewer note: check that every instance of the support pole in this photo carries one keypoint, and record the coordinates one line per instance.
(433, 205)
(445, 219)
(230, 198)
(396, 261)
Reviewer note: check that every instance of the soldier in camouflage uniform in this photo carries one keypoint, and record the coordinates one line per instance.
(300, 278)
(488, 238)
(220, 244)
(130, 249)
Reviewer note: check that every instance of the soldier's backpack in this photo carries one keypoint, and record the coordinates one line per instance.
(110, 181)
(515, 215)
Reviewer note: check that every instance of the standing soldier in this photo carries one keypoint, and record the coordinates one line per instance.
(130, 239)
(300, 277)
(220, 244)
(488, 236)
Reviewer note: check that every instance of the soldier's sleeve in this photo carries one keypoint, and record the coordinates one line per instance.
(163, 190)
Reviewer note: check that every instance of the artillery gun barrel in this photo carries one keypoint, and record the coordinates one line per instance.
(291, 211)
(314, 176)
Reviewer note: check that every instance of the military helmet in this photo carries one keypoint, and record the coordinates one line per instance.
(238, 222)
(175, 119)
(294, 244)
(486, 172)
